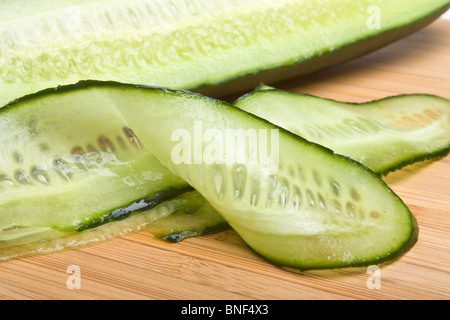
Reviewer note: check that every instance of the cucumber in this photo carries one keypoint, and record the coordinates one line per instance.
(189, 222)
(17, 242)
(76, 168)
(300, 206)
(192, 44)
(385, 135)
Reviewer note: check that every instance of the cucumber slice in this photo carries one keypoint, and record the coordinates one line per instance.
(306, 208)
(22, 241)
(200, 219)
(385, 135)
(187, 44)
(74, 168)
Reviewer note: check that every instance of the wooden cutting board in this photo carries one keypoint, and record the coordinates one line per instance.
(221, 266)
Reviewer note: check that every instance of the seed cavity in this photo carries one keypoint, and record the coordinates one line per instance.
(22, 177)
(312, 132)
(321, 202)
(105, 144)
(78, 157)
(356, 126)
(421, 119)
(283, 196)
(336, 207)
(40, 175)
(335, 187)
(350, 209)
(273, 187)
(374, 215)
(121, 142)
(355, 194)
(77, 151)
(296, 198)
(431, 114)
(62, 168)
(216, 173)
(5, 179)
(93, 156)
(44, 148)
(408, 121)
(91, 148)
(302, 175)
(369, 126)
(132, 138)
(240, 177)
(291, 172)
(254, 200)
(317, 178)
(218, 180)
(310, 198)
(17, 157)
(254, 192)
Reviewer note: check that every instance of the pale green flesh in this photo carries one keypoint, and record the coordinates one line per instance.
(319, 210)
(195, 220)
(183, 43)
(383, 135)
(45, 182)
(160, 220)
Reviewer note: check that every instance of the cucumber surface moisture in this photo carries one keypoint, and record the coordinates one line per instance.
(384, 135)
(187, 44)
(298, 205)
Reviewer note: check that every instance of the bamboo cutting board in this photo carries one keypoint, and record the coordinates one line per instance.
(221, 266)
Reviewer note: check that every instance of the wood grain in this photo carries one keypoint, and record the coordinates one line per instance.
(221, 266)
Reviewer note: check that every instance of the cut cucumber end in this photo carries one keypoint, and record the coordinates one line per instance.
(74, 166)
(384, 135)
(318, 252)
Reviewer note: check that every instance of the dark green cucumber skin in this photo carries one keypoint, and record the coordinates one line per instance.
(47, 240)
(394, 166)
(380, 261)
(439, 154)
(82, 84)
(142, 204)
(317, 63)
(179, 236)
(399, 251)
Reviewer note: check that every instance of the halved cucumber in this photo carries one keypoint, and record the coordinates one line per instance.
(384, 135)
(302, 206)
(187, 44)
